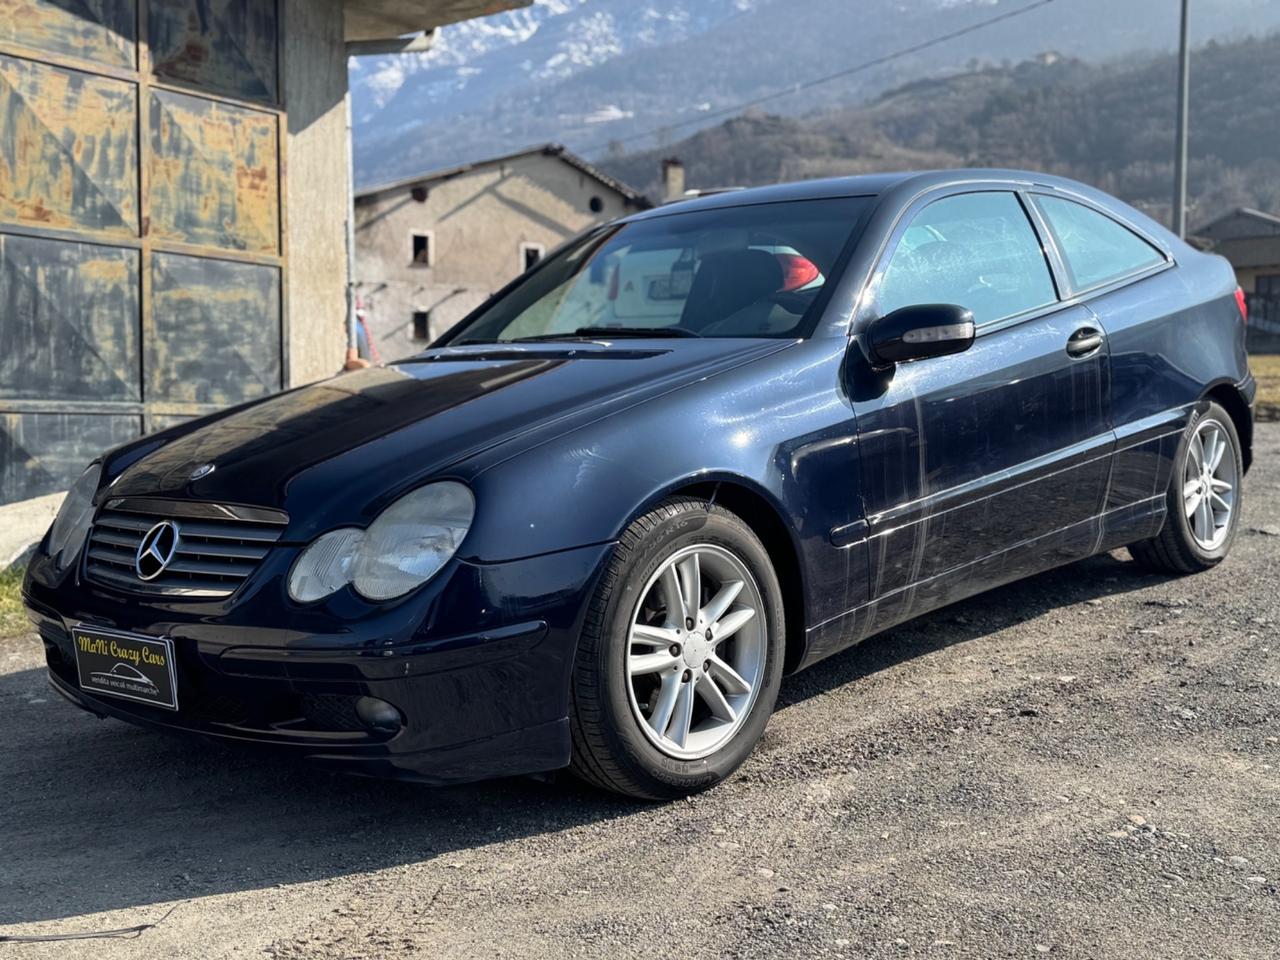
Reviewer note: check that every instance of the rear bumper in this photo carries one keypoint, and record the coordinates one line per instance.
(1248, 388)
(476, 703)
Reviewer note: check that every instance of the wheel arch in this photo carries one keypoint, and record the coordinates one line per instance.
(759, 511)
(1229, 397)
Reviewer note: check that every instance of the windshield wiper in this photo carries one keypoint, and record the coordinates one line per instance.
(583, 333)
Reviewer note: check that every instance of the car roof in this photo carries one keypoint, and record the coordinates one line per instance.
(864, 185)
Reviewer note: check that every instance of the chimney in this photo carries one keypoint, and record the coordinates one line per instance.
(672, 179)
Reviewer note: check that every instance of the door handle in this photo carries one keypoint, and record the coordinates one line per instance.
(1084, 341)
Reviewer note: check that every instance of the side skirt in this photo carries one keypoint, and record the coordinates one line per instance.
(1124, 525)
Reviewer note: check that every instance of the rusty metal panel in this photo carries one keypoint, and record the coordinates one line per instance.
(103, 31)
(217, 331)
(68, 149)
(43, 453)
(214, 174)
(222, 46)
(69, 321)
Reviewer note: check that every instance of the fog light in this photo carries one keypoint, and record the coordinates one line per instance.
(378, 715)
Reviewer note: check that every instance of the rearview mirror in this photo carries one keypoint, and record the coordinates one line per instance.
(920, 331)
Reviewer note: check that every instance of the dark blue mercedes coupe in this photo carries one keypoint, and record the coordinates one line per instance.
(693, 451)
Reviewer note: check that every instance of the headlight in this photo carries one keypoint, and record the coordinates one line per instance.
(412, 539)
(404, 547)
(325, 566)
(71, 525)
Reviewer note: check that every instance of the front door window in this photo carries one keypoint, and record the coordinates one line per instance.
(975, 250)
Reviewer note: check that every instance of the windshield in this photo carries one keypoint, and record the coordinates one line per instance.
(750, 271)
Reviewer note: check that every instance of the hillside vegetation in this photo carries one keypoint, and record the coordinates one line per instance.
(1111, 125)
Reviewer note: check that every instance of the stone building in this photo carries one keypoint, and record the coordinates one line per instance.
(1250, 239)
(431, 248)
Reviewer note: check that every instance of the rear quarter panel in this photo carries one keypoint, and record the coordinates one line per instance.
(1173, 337)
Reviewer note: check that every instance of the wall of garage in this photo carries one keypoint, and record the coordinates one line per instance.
(172, 200)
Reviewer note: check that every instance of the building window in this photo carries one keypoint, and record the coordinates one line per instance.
(1267, 285)
(422, 324)
(423, 249)
(596, 204)
(531, 254)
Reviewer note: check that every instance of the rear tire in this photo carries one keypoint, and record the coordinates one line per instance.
(1203, 500)
(661, 709)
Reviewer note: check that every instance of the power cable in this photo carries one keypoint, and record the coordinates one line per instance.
(818, 81)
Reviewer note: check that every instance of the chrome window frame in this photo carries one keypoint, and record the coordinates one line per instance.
(1050, 237)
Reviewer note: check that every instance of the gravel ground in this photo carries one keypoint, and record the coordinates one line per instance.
(1082, 765)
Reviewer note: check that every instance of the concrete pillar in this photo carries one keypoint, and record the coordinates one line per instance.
(672, 179)
(315, 84)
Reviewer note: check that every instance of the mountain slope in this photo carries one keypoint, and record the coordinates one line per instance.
(400, 103)
(1111, 125)
(586, 72)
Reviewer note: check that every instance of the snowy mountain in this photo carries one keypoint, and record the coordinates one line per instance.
(521, 50)
(591, 72)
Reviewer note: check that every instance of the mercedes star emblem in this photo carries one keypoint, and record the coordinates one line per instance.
(157, 550)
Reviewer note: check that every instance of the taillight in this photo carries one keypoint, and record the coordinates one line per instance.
(1243, 304)
(797, 271)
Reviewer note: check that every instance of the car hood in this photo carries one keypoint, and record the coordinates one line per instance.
(341, 448)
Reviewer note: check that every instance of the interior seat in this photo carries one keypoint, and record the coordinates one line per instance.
(728, 282)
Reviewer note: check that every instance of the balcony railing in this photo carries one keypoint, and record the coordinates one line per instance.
(1264, 322)
(1263, 306)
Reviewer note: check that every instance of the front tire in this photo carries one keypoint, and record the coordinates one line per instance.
(681, 654)
(1203, 501)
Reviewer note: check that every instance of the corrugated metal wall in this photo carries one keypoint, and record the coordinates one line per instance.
(141, 253)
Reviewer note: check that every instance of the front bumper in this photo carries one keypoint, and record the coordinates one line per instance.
(477, 662)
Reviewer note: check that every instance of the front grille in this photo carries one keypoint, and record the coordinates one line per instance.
(218, 546)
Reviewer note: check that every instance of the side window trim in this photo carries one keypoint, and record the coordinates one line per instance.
(921, 203)
(1062, 281)
(1072, 291)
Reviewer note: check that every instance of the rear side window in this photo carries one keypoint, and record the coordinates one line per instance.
(1097, 249)
(975, 250)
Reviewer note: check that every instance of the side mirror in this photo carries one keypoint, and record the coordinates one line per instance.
(920, 331)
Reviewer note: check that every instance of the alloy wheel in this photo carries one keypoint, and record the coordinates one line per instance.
(1209, 484)
(696, 653)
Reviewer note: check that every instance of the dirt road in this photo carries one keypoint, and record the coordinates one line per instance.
(1083, 765)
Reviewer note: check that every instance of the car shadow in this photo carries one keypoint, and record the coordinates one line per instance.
(104, 816)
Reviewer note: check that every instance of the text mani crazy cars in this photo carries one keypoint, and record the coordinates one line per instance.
(697, 448)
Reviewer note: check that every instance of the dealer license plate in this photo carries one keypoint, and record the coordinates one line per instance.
(126, 665)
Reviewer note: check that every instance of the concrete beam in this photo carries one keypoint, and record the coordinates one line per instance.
(381, 19)
(409, 43)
